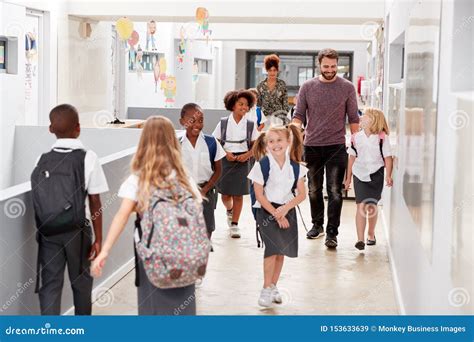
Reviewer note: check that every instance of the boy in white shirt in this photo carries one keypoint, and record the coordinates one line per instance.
(202, 156)
(65, 236)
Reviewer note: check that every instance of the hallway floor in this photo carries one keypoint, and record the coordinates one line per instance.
(345, 281)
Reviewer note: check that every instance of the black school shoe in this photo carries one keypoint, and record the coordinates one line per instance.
(371, 242)
(360, 245)
(315, 232)
(331, 242)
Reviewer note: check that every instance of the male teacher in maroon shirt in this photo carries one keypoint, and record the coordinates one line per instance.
(323, 104)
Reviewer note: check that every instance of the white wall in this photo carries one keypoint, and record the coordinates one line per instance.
(427, 284)
(12, 87)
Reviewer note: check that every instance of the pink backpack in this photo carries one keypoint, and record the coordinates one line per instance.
(174, 246)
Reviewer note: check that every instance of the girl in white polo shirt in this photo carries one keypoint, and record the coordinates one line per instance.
(281, 150)
(236, 134)
(369, 154)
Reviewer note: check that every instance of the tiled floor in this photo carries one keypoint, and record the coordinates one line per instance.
(318, 282)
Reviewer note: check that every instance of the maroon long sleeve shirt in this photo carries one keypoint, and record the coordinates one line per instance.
(324, 106)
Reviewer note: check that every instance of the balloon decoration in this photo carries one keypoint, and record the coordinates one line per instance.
(169, 90)
(133, 40)
(150, 35)
(124, 27)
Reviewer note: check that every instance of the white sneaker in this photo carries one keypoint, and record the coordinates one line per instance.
(229, 217)
(234, 231)
(265, 299)
(276, 296)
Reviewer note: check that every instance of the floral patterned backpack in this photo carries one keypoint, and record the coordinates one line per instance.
(174, 246)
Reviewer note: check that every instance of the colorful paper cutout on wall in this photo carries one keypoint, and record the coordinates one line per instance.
(138, 61)
(124, 27)
(202, 18)
(150, 35)
(169, 90)
(181, 47)
(156, 74)
(162, 63)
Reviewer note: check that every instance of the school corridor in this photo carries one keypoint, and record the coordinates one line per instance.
(120, 63)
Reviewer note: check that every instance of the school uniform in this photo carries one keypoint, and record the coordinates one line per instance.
(368, 168)
(277, 190)
(234, 174)
(252, 115)
(151, 299)
(197, 161)
(70, 248)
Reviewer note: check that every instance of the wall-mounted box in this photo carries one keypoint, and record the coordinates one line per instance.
(8, 55)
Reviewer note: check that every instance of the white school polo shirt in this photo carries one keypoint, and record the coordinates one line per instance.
(129, 188)
(252, 115)
(94, 176)
(197, 160)
(280, 180)
(236, 132)
(369, 159)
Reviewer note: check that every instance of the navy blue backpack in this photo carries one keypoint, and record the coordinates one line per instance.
(265, 168)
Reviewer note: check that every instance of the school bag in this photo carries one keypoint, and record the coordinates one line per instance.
(265, 168)
(258, 111)
(172, 239)
(381, 140)
(225, 121)
(58, 191)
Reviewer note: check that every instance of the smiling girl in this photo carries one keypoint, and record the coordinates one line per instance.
(281, 148)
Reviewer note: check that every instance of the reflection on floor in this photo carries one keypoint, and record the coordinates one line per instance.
(318, 282)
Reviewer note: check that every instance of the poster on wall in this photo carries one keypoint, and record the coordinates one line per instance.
(2, 55)
(32, 51)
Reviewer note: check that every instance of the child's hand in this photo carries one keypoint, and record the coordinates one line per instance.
(283, 223)
(95, 250)
(389, 181)
(281, 212)
(243, 157)
(230, 156)
(98, 264)
(259, 128)
(347, 184)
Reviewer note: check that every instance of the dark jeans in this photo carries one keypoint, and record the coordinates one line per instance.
(333, 158)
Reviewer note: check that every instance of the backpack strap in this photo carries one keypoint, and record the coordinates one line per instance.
(250, 125)
(212, 147)
(353, 144)
(258, 111)
(381, 140)
(224, 122)
(265, 168)
(296, 172)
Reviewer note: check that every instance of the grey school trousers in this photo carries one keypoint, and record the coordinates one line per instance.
(55, 252)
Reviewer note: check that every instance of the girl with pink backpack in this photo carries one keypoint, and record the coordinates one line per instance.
(369, 155)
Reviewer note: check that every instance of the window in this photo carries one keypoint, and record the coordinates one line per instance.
(304, 74)
(204, 66)
(3, 53)
(147, 59)
(295, 67)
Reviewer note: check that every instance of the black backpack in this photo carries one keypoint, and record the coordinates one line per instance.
(58, 191)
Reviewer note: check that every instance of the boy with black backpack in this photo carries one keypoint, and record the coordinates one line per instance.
(202, 156)
(61, 182)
